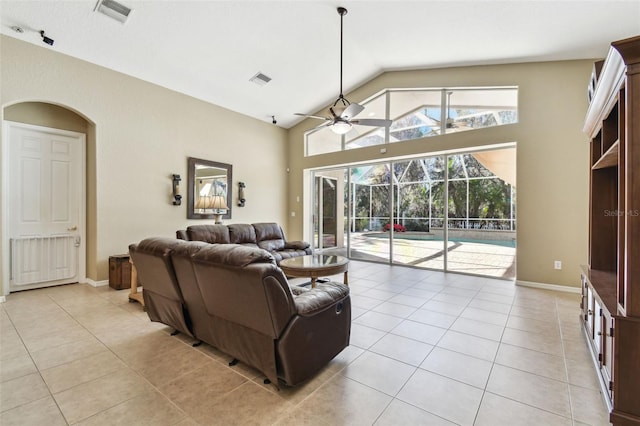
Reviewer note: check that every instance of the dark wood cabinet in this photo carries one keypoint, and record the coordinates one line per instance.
(119, 272)
(611, 282)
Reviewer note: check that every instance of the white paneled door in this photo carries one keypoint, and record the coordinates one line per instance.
(46, 206)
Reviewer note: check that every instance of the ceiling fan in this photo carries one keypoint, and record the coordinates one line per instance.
(342, 111)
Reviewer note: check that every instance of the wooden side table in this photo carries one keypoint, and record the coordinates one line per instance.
(315, 266)
(134, 295)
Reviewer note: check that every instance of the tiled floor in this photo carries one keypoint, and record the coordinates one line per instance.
(427, 348)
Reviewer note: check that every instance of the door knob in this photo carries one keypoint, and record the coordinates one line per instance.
(73, 228)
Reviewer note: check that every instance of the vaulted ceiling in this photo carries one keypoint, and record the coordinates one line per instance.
(210, 49)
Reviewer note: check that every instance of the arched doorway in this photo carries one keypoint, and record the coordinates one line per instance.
(42, 183)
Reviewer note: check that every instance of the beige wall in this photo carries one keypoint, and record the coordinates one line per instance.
(142, 134)
(552, 156)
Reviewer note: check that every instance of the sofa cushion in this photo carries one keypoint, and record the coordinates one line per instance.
(212, 234)
(232, 255)
(242, 233)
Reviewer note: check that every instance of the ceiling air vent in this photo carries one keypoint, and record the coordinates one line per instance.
(113, 9)
(260, 79)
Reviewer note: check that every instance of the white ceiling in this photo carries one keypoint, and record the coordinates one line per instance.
(210, 49)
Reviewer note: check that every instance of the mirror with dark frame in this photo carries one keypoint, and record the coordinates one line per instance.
(209, 185)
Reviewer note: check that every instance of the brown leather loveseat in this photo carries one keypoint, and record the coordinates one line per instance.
(267, 236)
(237, 299)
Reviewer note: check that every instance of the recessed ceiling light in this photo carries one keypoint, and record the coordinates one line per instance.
(113, 9)
(17, 29)
(260, 79)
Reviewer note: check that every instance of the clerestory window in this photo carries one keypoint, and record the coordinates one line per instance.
(421, 113)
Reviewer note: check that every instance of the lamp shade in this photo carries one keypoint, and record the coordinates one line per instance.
(218, 203)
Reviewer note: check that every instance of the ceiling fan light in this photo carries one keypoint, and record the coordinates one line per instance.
(341, 127)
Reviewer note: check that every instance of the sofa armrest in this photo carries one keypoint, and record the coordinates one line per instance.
(297, 245)
(321, 297)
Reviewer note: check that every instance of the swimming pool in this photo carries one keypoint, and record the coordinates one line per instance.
(432, 237)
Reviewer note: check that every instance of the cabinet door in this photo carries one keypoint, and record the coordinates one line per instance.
(607, 350)
(590, 308)
(597, 328)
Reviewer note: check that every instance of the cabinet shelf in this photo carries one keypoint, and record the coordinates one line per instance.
(609, 158)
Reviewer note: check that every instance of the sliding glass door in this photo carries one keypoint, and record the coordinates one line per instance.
(451, 212)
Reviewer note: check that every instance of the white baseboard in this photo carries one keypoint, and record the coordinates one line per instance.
(553, 287)
(97, 283)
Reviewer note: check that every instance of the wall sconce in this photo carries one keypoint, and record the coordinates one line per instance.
(177, 198)
(241, 198)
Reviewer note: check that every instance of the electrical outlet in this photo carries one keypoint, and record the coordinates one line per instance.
(557, 264)
(293, 214)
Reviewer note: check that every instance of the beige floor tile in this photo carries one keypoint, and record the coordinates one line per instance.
(378, 321)
(576, 350)
(11, 345)
(457, 291)
(363, 336)
(485, 305)
(379, 294)
(343, 401)
(541, 392)
(582, 374)
(88, 399)
(139, 349)
(12, 368)
(443, 307)
(478, 329)
(444, 397)
(165, 367)
(437, 319)
(496, 410)
(588, 406)
(469, 345)
(364, 302)
(421, 332)
(149, 408)
(57, 338)
(419, 292)
(80, 371)
(402, 349)
(21, 390)
(246, 404)
(300, 418)
(400, 413)
(187, 422)
(492, 297)
(413, 301)
(452, 299)
(464, 368)
(534, 325)
(379, 372)
(535, 341)
(534, 311)
(489, 317)
(539, 363)
(37, 413)
(395, 309)
(52, 357)
(196, 389)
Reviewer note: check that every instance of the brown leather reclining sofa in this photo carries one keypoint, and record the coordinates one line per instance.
(267, 236)
(237, 299)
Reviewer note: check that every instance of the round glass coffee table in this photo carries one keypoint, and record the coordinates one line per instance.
(314, 266)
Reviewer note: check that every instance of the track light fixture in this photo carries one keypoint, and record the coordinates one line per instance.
(46, 39)
(273, 119)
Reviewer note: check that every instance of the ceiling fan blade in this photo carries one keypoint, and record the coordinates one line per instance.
(311, 116)
(351, 111)
(378, 122)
